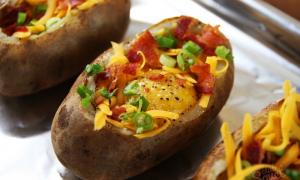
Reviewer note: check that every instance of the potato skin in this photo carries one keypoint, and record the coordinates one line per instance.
(108, 154)
(218, 152)
(29, 66)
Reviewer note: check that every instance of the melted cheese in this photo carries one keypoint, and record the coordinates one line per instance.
(289, 157)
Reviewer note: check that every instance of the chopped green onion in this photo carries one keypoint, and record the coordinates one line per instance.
(187, 54)
(93, 69)
(181, 62)
(105, 93)
(131, 89)
(52, 21)
(167, 60)
(143, 122)
(223, 52)
(142, 103)
(21, 18)
(245, 164)
(85, 102)
(166, 41)
(192, 47)
(41, 8)
(293, 174)
(83, 91)
(279, 153)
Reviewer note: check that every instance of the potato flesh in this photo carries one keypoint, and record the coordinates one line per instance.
(167, 94)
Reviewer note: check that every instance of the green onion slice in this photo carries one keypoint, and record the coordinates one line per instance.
(223, 52)
(167, 60)
(131, 89)
(105, 93)
(84, 91)
(21, 18)
(166, 41)
(141, 103)
(93, 69)
(192, 47)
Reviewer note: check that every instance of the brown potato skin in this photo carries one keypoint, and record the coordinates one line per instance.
(29, 66)
(218, 151)
(107, 154)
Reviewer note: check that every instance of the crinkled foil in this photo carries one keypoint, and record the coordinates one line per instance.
(26, 150)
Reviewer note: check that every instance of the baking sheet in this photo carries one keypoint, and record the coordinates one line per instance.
(26, 150)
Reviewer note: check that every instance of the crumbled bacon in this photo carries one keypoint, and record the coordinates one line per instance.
(208, 38)
(181, 31)
(253, 152)
(205, 79)
(117, 111)
(130, 68)
(98, 100)
(146, 44)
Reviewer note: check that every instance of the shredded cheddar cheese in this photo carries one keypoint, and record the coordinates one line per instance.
(163, 114)
(50, 10)
(204, 100)
(143, 59)
(172, 70)
(100, 120)
(247, 130)
(119, 56)
(213, 63)
(88, 4)
(282, 126)
(22, 35)
(229, 149)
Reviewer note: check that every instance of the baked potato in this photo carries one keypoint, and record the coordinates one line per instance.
(141, 101)
(43, 43)
(266, 147)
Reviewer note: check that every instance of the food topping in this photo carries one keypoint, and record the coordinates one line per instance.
(30, 17)
(150, 82)
(274, 148)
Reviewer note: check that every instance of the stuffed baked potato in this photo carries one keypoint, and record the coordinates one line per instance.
(42, 43)
(266, 147)
(140, 102)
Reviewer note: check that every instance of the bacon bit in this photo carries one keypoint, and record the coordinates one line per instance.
(182, 28)
(10, 29)
(102, 76)
(99, 100)
(117, 111)
(253, 152)
(130, 68)
(21, 29)
(205, 79)
(156, 77)
(147, 44)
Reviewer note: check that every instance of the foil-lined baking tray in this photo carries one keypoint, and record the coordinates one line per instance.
(26, 150)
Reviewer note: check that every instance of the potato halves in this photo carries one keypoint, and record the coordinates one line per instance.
(140, 102)
(43, 43)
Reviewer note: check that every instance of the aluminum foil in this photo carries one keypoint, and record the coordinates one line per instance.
(26, 150)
